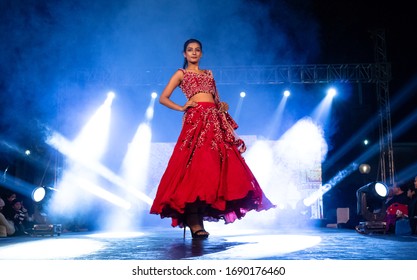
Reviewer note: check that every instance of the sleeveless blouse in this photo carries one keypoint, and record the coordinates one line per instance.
(194, 83)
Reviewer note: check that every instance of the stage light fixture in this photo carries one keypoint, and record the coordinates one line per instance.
(364, 168)
(331, 92)
(38, 194)
(243, 94)
(41, 193)
(371, 207)
(287, 93)
(111, 95)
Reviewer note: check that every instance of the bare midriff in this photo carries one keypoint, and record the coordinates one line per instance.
(202, 97)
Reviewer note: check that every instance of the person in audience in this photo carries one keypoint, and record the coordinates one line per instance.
(6, 226)
(412, 207)
(39, 216)
(20, 217)
(8, 210)
(396, 206)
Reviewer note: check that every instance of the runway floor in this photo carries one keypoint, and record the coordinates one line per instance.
(318, 243)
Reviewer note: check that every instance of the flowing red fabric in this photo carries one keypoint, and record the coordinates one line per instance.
(206, 166)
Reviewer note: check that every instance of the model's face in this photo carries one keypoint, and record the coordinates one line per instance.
(193, 53)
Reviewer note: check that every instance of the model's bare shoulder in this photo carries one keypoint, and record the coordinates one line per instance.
(178, 75)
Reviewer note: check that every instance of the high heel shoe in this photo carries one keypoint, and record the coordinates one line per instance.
(198, 234)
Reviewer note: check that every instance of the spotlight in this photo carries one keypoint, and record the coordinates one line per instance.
(111, 95)
(154, 95)
(242, 94)
(331, 92)
(27, 152)
(41, 194)
(38, 194)
(364, 168)
(287, 93)
(371, 206)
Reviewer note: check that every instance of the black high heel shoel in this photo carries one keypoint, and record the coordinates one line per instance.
(198, 233)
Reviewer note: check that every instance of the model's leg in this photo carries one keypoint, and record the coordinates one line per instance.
(194, 220)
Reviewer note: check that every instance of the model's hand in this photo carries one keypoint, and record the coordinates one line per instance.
(224, 107)
(242, 149)
(189, 104)
(241, 145)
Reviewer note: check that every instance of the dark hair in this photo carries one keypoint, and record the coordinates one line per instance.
(16, 201)
(189, 41)
(411, 186)
(403, 186)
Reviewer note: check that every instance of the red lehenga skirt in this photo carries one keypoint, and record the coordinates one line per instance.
(206, 166)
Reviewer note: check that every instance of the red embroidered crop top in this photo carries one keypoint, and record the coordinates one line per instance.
(194, 83)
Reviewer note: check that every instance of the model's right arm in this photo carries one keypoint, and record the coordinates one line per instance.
(164, 99)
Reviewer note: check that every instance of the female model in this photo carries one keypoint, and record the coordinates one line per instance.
(206, 179)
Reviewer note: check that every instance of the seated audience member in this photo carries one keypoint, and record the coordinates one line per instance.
(8, 209)
(39, 216)
(412, 207)
(6, 226)
(20, 217)
(396, 205)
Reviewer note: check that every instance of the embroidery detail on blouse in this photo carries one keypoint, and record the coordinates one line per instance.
(194, 83)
